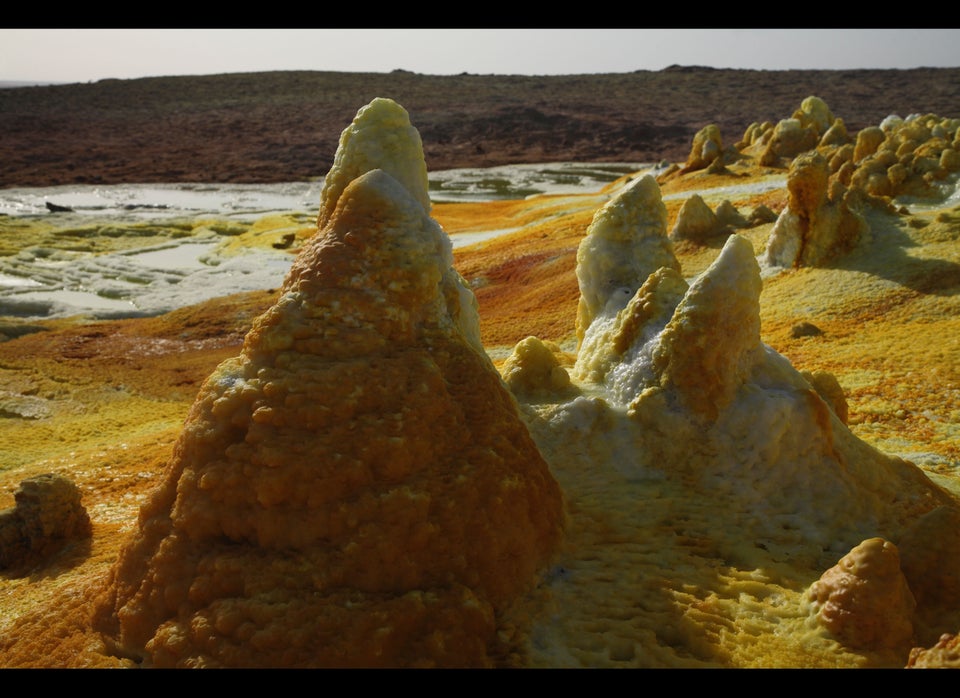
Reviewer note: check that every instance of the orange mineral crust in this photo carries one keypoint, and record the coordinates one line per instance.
(865, 599)
(356, 488)
(524, 281)
(705, 450)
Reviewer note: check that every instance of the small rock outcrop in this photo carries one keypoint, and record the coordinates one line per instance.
(534, 368)
(707, 147)
(696, 221)
(48, 514)
(728, 216)
(819, 222)
(907, 157)
(789, 138)
(864, 600)
(800, 133)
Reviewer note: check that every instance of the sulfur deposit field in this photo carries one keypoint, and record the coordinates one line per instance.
(704, 415)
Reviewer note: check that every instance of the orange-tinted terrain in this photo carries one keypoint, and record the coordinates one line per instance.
(104, 401)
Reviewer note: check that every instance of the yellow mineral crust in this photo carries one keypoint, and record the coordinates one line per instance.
(708, 348)
(815, 114)
(696, 221)
(609, 339)
(356, 488)
(707, 146)
(912, 156)
(868, 140)
(790, 137)
(625, 243)
(534, 368)
(818, 224)
(699, 404)
(687, 542)
(380, 137)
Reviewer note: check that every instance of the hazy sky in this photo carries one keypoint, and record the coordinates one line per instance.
(82, 55)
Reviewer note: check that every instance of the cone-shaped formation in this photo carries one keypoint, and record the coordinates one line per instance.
(684, 371)
(712, 341)
(626, 242)
(356, 488)
(698, 343)
(696, 221)
(864, 599)
(706, 148)
(728, 215)
(380, 137)
(624, 339)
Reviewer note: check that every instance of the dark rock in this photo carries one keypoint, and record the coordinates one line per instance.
(805, 329)
(286, 241)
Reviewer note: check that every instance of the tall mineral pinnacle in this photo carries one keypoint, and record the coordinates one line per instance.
(688, 383)
(380, 137)
(626, 242)
(356, 488)
(708, 348)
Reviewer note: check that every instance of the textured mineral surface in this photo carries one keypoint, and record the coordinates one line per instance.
(580, 443)
(48, 515)
(356, 488)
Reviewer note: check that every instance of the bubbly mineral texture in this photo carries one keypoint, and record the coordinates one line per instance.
(48, 514)
(864, 599)
(356, 488)
(912, 156)
(678, 393)
(811, 124)
(535, 368)
(943, 655)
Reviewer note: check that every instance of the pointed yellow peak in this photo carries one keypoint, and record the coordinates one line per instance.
(626, 242)
(380, 137)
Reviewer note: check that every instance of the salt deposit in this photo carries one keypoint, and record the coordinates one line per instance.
(147, 282)
(358, 488)
(187, 269)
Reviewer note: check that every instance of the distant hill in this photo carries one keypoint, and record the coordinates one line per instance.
(284, 126)
(22, 83)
